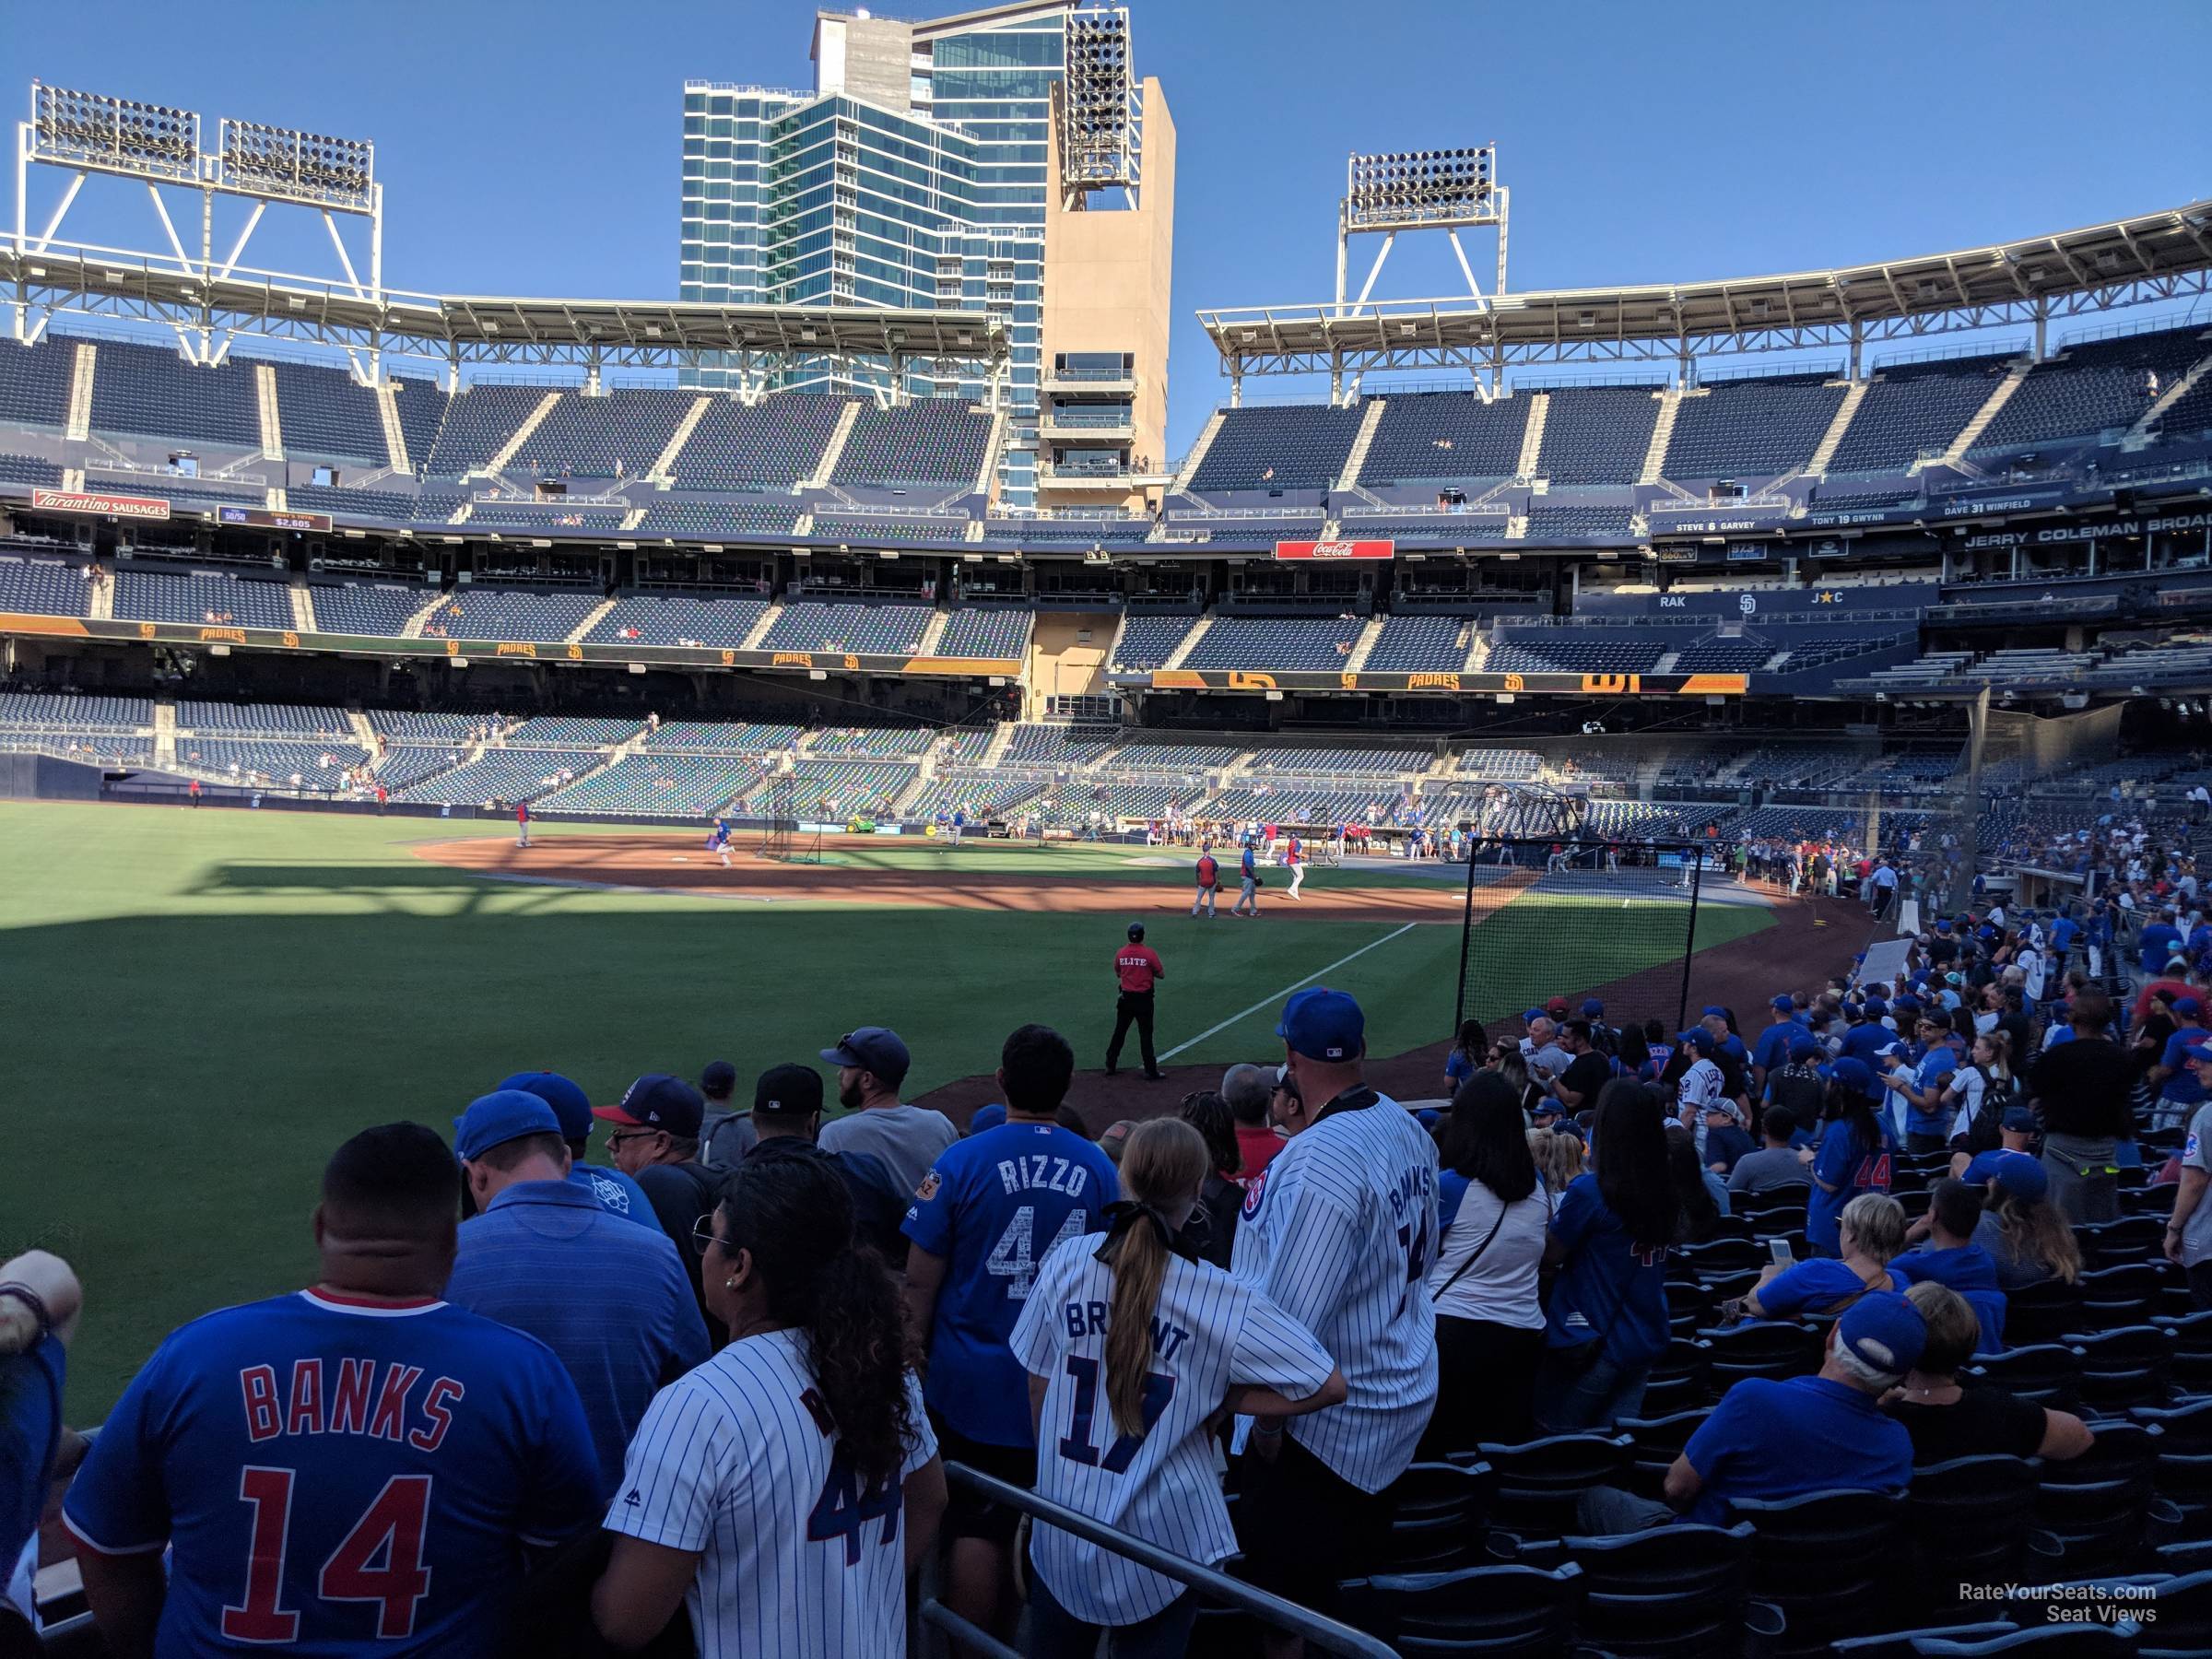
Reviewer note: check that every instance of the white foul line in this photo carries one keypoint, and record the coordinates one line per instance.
(1268, 1002)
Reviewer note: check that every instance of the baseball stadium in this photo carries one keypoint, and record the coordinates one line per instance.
(401, 691)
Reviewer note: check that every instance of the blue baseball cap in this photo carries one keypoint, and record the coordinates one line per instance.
(569, 1103)
(1885, 1331)
(2019, 1119)
(873, 1048)
(1850, 1072)
(719, 1079)
(1699, 1038)
(1529, 1015)
(2199, 1051)
(1714, 1012)
(1592, 1007)
(1906, 1001)
(2187, 1005)
(1323, 1024)
(2020, 1175)
(1943, 924)
(1787, 1005)
(986, 1117)
(499, 1117)
(1804, 1046)
(657, 1101)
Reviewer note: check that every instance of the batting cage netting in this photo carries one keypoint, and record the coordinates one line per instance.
(1579, 918)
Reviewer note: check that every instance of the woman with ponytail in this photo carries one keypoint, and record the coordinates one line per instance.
(1134, 1346)
(768, 1491)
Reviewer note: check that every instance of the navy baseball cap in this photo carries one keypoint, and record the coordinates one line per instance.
(1885, 1331)
(569, 1103)
(873, 1048)
(1530, 1014)
(787, 1091)
(2020, 1175)
(1699, 1038)
(1804, 1047)
(499, 1117)
(1323, 1024)
(1787, 1005)
(1544, 1107)
(719, 1079)
(1715, 1012)
(2187, 1005)
(2019, 1119)
(986, 1117)
(657, 1101)
(1849, 1071)
(1906, 1001)
(1592, 1007)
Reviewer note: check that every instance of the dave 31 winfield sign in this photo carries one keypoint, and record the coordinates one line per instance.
(1334, 550)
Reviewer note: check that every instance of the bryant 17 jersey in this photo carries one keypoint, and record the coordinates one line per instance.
(1209, 1332)
(739, 1461)
(1339, 1231)
(992, 1208)
(338, 1477)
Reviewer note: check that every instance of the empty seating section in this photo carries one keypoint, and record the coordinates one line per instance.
(1148, 642)
(838, 789)
(871, 743)
(1246, 530)
(366, 607)
(1770, 425)
(408, 725)
(814, 625)
(544, 518)
(1001, 632)
(1083, 532)
(2190, 414)
(659, 786)
(1827, 500)
(265, 720)
(478, 425)
(508, 614)
(1292, 447)
(619, 435)
(1061, 747)
(714, 737)
(1578, 519)
(936, 441)
(326, 411)
(1450, 529)
(1118, 801)
(778, 441)
(872, 529)
(1416, 644)
(505, 775)
(73, 711)
(1510, 765)
(389, 506)
(1717, 654)
(421, 408)
(571, 730)
(1597, 434)
(711, 519)
(1297, 806)
(317, 766)
(1174, 757)
(46, 587)
(29, 469)
(679, 619)
(35, 382)
(1577, 651)
(149, 391)
(1914, 408)
(1321, 762)
(1289, 643)
(208, 597)
(1441, 435)
(2095, 387)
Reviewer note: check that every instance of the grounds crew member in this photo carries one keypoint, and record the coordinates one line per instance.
(1136, 967)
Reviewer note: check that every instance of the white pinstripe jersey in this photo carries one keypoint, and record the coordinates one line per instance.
(1338, 1231)
(798, 1560)
(1209, 1332)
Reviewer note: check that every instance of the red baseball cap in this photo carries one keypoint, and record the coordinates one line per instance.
(1555, 1007)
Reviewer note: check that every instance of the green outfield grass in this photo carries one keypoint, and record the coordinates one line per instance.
(200, 1006)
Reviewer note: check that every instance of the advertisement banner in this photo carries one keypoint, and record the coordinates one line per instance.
(1334, 550)
(104, 506)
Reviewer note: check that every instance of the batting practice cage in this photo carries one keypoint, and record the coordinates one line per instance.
(1551, 917)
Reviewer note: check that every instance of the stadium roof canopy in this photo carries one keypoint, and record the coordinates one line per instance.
(476, 328)
(2152, 256)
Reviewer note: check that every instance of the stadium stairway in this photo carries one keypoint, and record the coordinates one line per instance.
(592, 619)
(272, 418)
(833, 451)
(933, 633)
(1364, 646)
(663, 470)
(1000, 740)
(363, 733)
(1182, 653)
(165, 735)
(2138, 435)
(1999, 395)
(508, 451)
(99, 600)
(1479, 652)
(1369, 419)
(412, 630)
(1662, 433)
(1832, 440)
(78, 425)
(303, 606)
(1196, 458)
(1532, 435)
(768, 618)
(395, 435)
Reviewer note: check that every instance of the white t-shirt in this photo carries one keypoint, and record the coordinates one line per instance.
(1501, 1286)
(797, 1560)
(1969, 1086)
(1210, 1334)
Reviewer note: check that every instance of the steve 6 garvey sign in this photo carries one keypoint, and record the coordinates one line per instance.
(1334, 550)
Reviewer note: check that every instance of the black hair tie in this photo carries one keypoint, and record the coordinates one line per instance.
(1126, 1214)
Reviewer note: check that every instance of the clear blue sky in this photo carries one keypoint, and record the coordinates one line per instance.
(533, 148)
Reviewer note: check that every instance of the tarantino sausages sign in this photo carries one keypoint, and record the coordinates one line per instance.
(105, 506)
(1334, 550)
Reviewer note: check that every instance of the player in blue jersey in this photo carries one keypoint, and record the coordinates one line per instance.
(1132, 1346)
(355, 1468)
(718, 840)
(989, 1210)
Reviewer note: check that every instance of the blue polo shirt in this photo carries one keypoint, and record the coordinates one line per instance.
(613, 1301)
(1933, 1068)
(1773, 1048)
(614, 1192)
(1608, 1290)
(1769, 1439)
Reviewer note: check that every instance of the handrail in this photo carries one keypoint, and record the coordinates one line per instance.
(1323, 1633)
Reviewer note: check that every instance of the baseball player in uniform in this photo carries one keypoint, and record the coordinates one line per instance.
(1137, 969)
(1248, 876)
(352, 1468)
(990, 1209)
(1338, 1231)
(1294, 854)
(718, 840)
(1207, 1339)
(1209, 884)
(522, 823)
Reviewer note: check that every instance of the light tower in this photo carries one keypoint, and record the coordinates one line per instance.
(1447, 190)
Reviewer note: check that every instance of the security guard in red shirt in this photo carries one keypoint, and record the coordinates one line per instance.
(1137, 969)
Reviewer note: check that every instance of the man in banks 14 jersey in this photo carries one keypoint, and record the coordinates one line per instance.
(356, 1468)
(990, 1209)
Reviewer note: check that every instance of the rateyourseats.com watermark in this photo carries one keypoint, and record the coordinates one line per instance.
(2071, 1604)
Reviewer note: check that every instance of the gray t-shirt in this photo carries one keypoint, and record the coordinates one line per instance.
(1767, 1169)
(908, 1138)
(2196, 1154)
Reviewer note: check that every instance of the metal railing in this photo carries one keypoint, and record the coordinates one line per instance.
(1325, 1634)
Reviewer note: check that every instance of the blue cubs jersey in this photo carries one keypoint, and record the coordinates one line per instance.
(992, 1206)
(340, 1476)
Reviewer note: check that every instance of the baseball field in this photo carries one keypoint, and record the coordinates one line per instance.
(199, 1004)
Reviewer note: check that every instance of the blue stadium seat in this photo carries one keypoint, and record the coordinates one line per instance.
(46, 587)
(476, 425)
(680, 619)
(619, 435)
(35, 382)
(1597, 434)
(1059, 748)
(770, 516)
(507, 775)
(1298, 446)
(366, 607)
(149, 391)
(1445, 437)
(1286, 642)
(1579, 521)
(1911, 409)
(936, 443)
(274, 764)
(814, 625)
(476, 613)
(1421, 644)
(871, 743)
(998, 631)
(212, 598)
(322, 724)
(29, 469)
(2098, 387)
(874, 529)
(325, 412)
(776, 442)
(659, 786)
(421, 406)
(374, 506)
(72, 711)
(1763, 426)
(1147, 641)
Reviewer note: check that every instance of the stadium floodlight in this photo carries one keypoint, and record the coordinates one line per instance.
(1414, 190)
(1099, 129)
(286, 164)
(112, 135)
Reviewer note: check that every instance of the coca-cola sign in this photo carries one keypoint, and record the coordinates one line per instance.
(1334, 550)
